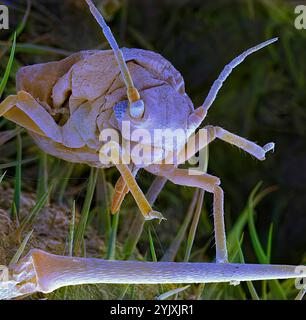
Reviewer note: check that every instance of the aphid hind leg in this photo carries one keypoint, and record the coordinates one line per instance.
(208, 183)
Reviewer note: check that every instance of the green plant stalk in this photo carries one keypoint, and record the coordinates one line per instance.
(170, 293)
(194, 226)
(16, 163)
(250, 285)
(152, 248)
(42, 185)
(17, 190)
(103, 203)
(111, 253)
(28, 220)
(24, 20)
(269, 251)
(21, 248)
(262, 257)
(172, 251)
(64, 182)
(80, 230)
(2, 177)
(71, 230)
(8, 67)
(300, 295)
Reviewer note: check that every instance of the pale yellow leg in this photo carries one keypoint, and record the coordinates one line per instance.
(213, 132)
(242, 143)
(121, 190)
(208, 183)
(143, 204)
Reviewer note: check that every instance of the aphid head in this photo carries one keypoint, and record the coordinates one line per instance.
(159, 104)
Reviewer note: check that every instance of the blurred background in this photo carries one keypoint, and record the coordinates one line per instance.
(263, 100)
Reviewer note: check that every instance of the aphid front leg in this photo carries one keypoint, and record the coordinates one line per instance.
(121, 190)
(208, 183)
(242, 143)
(128, 177)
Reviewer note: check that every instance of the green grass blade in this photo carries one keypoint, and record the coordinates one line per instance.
(16, 163)
(7, 135)
(134, 236)
(36, 49)
(276, 288)
(17, 190)
(80, 230)
(269, 251)
(300, 295)
(172, 251)
(2, 177)
(250, 285)
(21, 248)
(14, 214)
(64, 182)
(123, 292)
(71, 230)
(111, 253)
(269, 243)
(42, 184)
(194, 226)
(103, 203)
(8, 67)
(24, 20)
(254, 236)
(170, 293)
(29, 219)
(237, 229)
(152, 248)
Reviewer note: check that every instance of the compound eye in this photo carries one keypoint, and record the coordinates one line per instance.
(120, 109)
(137, 109)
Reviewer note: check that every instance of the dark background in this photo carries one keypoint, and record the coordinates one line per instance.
(263, 100)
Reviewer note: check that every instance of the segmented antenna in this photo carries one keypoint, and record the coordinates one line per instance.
(136, 105)
(227, 71)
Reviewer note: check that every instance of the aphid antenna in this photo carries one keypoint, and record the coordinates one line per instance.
(136, 104)
(227, 70)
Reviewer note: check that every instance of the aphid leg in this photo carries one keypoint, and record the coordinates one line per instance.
(214, 132)
(242, 143)
(208, 183)
(143, 204)
(121, 189)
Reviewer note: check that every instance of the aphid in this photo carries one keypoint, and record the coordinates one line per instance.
(65, 105)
